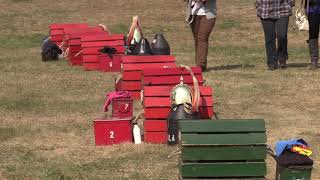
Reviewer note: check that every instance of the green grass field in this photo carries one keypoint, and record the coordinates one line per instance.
(47, 108)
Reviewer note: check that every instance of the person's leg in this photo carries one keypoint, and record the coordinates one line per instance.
(282, 37)
(314, 21)
(270, 42)
(195, 30)
(205, 28)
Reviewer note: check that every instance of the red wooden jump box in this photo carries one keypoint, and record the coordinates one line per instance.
(156, 137)
(57, 30)
(132, 67)
(109, 64)
(122, 108)
(115, 131)
(155, 131)
(91, 44)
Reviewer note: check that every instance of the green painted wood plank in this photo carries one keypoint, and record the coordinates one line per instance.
(223, 139)
(218, 126)
(223, 153)
(245, 169)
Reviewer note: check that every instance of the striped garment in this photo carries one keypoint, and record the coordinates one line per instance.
(274, 9)
(314, 7)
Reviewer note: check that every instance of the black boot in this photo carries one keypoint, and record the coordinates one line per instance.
(314, 53)
(282, 63)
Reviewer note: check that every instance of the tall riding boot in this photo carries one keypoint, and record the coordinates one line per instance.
(314, 53)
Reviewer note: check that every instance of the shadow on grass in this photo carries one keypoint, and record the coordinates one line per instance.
(297, 65)
(230, 67)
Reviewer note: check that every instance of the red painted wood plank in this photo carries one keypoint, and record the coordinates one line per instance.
(103, 43)
(79, 35)
(155, 125)
(130, 85)
(157, 112)
(56, 38)
(108, 64)
(74, 42)
(91, 66)
(171, 71)
(66, 25)
(174, 84)
(155, 137)
(147, 59)
(75, 48)
(165, 91)
(135, 95)
(163, 113)
(95, 50)
(142, 66)
(131, 75)
(169, 80)
(90, 58)
(165, 101)
(56, 32)
(72, 55)
(79, 31)
(205, 112)
(157, 91)
(107, 37)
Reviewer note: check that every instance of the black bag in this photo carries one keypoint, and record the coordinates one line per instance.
(160, 46)
(108, 50)
(143, 48)
(288, 158)
(131, 48)
(49, 50)
(177, 113)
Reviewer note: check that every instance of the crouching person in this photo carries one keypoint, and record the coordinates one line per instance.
(313, 11)
(274, 15)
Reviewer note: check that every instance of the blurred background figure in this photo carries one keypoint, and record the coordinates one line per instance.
(313, 12)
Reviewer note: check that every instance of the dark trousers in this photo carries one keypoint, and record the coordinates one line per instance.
(276, 30)
(314, 22)
(201, 28)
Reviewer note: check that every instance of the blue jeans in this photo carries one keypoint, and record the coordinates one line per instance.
(276, 40)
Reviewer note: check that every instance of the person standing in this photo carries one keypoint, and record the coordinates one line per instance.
(201, 16)
(274, 15)
(313, 12)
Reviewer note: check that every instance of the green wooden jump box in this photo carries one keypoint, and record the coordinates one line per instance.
(223, 149)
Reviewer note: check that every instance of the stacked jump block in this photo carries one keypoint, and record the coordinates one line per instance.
(132, 67)
(118, 128)
(56, 31)
(223, 149)
(171, 77)
(158, 85)
(95, 60)
(72, 41)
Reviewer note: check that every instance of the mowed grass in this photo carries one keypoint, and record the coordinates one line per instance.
(47, 108)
